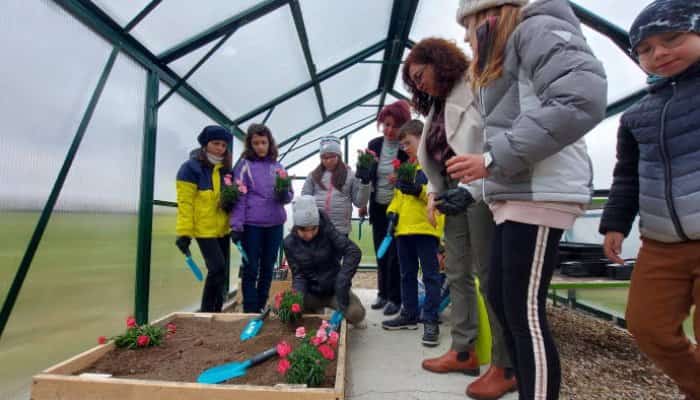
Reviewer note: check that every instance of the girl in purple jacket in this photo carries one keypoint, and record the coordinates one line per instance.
(258, 217)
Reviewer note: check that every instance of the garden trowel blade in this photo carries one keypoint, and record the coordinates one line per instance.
(251, 329)
(194, 268)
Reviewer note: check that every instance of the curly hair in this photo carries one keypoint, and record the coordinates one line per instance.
(259, 130)
(449, 62)
(399, 110)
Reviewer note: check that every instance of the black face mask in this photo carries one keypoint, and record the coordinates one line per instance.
(485, 35)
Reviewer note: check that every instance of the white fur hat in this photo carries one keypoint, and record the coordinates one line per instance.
(471, 7)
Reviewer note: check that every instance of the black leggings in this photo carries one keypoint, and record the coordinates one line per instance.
(388, 272)
(217, 257)
(523, 258)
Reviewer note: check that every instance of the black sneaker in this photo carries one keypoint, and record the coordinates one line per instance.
(431, 334)
(391, 308)
(379, 303)
(400, 322)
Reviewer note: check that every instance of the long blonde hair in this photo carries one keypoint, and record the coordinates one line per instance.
(508, 19)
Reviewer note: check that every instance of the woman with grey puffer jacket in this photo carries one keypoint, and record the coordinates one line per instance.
(335, 187)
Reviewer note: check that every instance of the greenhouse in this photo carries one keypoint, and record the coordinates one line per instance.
(104, 101)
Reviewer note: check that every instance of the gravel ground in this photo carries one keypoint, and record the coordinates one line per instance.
(599, 360)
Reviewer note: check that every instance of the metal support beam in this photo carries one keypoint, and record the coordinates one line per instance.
(398, 95)
(322, 76)
(618, 35)
(346, 155)
(341, 137)
(102, 24)
(331, 117)
(622, 104)
(40, 228)
(268, 115)
(142, 14)
(145, 227)
(402, 16)
(289, 149)
(223, 28)
(304, 40)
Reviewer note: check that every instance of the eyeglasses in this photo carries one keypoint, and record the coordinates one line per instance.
(418, 76)
(668, 41)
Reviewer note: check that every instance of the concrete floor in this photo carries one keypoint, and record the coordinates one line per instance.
(387, 365)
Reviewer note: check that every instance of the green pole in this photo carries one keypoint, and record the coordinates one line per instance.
(145, 230)
(40, 228)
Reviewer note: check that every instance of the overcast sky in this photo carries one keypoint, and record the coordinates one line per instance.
(47, 83)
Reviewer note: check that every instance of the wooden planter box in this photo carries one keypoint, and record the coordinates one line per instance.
(57, 382)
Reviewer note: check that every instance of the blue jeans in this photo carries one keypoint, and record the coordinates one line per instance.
(262, 246)
(412, 248)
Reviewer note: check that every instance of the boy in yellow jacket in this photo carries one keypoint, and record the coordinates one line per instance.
(416, 239)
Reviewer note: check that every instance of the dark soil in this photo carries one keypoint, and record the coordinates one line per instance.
(601, 361)
(201, 343)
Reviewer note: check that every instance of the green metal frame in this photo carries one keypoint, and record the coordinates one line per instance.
(145, 224)
(402, 15)
(142, 14)
(618, 35)
(40, 228)
(102, 24)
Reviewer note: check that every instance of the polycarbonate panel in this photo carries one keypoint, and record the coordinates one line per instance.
(258, 63)
(602, 142)
(340, 126)
(44, 96)
(175, 21)
(122, 11)
(294, 115)
(432, 21)
(399, 85)
(184, 64)
(351, 84)
(624, 76)
(339, 29)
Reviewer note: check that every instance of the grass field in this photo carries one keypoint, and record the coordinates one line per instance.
(81, 285)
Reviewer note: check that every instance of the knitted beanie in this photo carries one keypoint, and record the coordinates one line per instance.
(665, 16)
(471, 7)
(330, 144)
(304, 211)
(214, 132)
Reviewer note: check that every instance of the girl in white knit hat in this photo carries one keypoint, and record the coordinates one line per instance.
(540, 90)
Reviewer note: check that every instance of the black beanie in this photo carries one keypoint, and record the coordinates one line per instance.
(665, 16)
(214, 132)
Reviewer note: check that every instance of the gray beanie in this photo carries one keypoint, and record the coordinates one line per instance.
(664, 16)
(330, 144)
(304, 211)
(471, 7)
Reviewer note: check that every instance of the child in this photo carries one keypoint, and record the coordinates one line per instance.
(658, 159)
(541, 90)
(199, 215)
(335, 187)
(313, 249)
(416, 239)
(258, 217)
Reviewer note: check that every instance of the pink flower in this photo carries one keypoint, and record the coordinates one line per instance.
(296, 308)
(278, 300)
(283, 365)
(143, 340)
(101, 340)
(283, 349)
(321, 334)
(169, 335)
(372, 153)
(130, 322)
(326, 351)
(282, 173)
(316, 341)
(241, 186)
(227, 180)
(333, 339)
(396, 163)
(324, 324)
(300, 332)
(171, 328)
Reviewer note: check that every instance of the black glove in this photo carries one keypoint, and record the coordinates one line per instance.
(342, 297)
(281, 195)
(393, 219)
(364, 175)
(236, 236)
(454, 201)
(409, 188)
(183, 243)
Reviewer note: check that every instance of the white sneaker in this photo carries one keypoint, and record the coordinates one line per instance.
(360, 325)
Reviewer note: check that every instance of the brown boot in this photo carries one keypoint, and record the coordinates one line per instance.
(492, 385)
(448, 362)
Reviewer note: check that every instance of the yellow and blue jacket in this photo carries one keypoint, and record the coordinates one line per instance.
(199, 214)
(413, 219)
